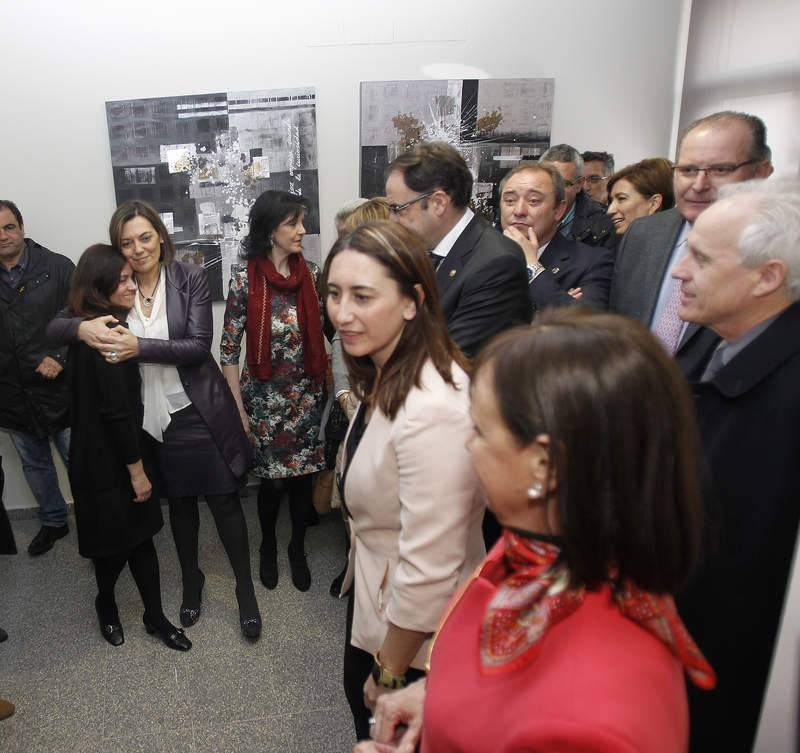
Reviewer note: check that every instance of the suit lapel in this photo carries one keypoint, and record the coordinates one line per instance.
(658, 255)
(556, 257)
(450, 269)
(177, 310)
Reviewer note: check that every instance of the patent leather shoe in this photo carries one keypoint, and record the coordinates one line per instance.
(190, 614)
(172, 637)
(110, 627)
(249, 616)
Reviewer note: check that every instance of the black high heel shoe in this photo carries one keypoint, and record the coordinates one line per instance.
(110, 629)
(172, 637)
(190, 615)
(249, 617)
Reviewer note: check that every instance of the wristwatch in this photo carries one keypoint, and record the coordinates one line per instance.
(534, 270)
(384, 677)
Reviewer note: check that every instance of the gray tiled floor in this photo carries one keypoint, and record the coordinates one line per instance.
(74, 692)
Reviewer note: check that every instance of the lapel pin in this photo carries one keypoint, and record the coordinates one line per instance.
(555, 270)
(452, 273)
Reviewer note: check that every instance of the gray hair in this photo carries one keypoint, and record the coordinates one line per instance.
(774, 230)
(564, 153)
(605, 157)
(348, 209)
(558, 181)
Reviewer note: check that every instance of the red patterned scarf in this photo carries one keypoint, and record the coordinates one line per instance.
(262, 279)
(534, 595)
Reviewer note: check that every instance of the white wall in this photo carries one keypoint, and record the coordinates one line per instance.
(613, 63)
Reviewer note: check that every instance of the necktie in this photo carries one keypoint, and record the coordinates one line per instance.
(436, 260)
(669, 325)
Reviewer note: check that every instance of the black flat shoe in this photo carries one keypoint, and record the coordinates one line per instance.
(249, 616)
(44, 540)
(301, 575)
(3, 635)
(268, 570)
(336, 585)
(189, 615)
(110, 627)
(172, 637)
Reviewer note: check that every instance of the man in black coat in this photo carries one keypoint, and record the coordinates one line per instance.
(741, 278)
(584, 220)
(34, 284)
(561, 272)
(480, 274)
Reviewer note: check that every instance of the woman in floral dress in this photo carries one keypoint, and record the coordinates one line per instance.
(274, 301)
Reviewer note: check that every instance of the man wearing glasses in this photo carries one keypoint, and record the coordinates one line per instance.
(725, 147)
(598, 167)
(585, 220)
(480, 274)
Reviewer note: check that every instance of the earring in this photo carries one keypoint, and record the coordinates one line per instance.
(535, 491)
(271, 241)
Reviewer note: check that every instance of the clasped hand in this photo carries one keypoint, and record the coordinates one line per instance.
(392, 711)
(114, 343)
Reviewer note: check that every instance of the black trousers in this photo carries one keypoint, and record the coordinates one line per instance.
(357, 667)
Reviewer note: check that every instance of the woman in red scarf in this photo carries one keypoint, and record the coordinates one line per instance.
(567, 638)
(273, 300)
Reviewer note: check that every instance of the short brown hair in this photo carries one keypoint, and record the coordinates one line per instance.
(403, 255)
(435, 165)
(130, 209)
(759, 150)
(624, 443)
(648, 177)
(95, 279)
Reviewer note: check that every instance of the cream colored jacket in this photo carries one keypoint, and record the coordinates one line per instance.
(417, 509)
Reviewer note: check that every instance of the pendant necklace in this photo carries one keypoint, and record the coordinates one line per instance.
(147, 300)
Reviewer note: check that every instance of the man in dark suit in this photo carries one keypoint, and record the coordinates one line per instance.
(741, 279)
(480, 274)
(560, 271)
(726, 147)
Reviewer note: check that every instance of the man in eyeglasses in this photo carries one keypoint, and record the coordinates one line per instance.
(598, 167)
(725, 147)
(585, 220)
(480, 274)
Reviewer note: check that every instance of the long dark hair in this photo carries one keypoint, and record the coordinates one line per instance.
(95, 279)
(402, 254)
(624, 445)
(268, 211)
(130, 209)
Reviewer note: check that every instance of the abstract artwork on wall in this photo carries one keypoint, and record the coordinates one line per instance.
(201, 160)
(494, 123)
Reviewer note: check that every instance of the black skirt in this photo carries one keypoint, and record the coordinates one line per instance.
(189, 461)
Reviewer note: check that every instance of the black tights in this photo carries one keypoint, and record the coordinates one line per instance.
(184, 518)
(298, 489)
(143, 562)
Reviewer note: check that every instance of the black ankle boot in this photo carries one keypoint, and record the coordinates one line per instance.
(268, 569)
(301, 575)
(190, 610)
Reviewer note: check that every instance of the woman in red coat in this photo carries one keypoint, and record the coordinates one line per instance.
(566, 639)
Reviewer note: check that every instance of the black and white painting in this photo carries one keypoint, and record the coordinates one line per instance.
(494, 123)
(202, 159)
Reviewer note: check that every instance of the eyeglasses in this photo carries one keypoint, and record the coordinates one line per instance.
(594, 178)
(571, 183)
(397, 208)
(712, 171)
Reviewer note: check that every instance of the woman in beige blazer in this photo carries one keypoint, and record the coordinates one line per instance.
(408, 486)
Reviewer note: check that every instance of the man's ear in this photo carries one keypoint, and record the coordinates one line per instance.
(772, 275)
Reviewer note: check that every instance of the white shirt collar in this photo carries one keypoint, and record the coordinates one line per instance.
(447, 243)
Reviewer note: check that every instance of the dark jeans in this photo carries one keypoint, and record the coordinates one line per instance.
(357, 667)
(40, 472)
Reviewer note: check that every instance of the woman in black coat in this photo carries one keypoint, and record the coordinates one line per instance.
(201, 447)
(115, 512)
